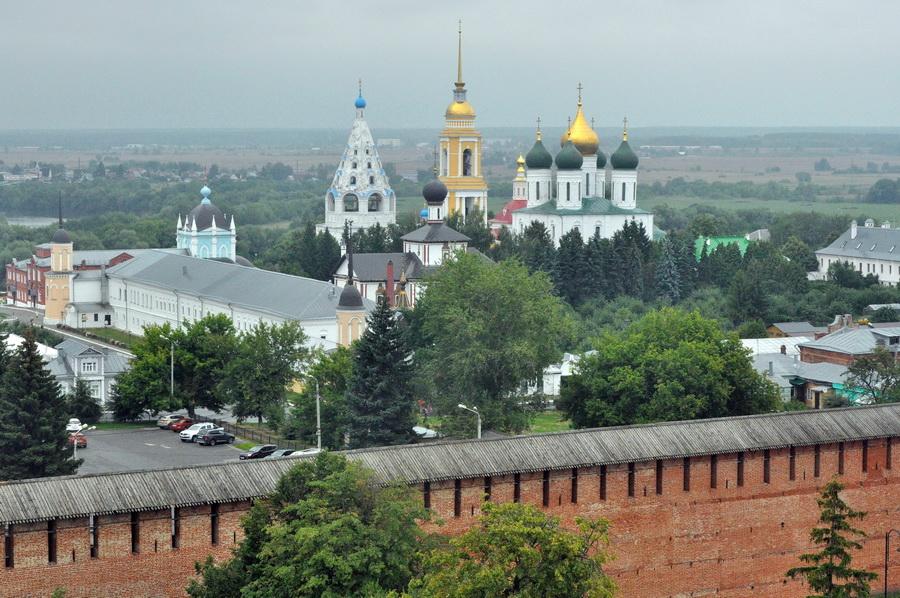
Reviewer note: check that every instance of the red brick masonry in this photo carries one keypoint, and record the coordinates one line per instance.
(709, 533)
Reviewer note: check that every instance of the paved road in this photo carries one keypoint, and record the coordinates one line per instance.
(146, 448)
(27, 315)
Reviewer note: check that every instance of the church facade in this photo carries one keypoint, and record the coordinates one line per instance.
(360, 192)
(577, 189)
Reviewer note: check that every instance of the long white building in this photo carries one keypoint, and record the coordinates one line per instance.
(869, 249)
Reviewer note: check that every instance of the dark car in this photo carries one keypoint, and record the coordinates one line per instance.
(214, 437)
(181, 424)
(259, 451)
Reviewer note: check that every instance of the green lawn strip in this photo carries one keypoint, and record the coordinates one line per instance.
(244, 446)
(125, 425)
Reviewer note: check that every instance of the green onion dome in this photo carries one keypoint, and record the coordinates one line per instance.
(624, 158)
(538, 156)
(569, 158)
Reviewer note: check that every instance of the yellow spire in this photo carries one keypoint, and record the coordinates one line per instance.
(459, 81)
(580, 132)
(625, 129)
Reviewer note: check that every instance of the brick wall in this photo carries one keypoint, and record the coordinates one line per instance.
(735, 539)
(811, 355)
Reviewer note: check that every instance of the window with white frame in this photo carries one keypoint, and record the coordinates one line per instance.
(88, 366)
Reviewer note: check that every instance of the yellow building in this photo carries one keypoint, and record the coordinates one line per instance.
(461, 153)
(58, 279)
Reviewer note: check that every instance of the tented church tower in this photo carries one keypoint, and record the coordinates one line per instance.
(360, 192)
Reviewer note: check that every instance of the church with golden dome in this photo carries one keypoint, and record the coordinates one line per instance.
(579, 189)
(460, 155)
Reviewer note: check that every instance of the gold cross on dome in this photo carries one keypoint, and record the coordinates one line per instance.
(579, 91)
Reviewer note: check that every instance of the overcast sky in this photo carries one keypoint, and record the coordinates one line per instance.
(295, 63)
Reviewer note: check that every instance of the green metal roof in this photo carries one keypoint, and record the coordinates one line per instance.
(589, 205)
(713, 242)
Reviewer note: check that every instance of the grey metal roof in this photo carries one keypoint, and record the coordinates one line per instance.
(292, 297)
(853, 341)
(114, 362)
(78, 496)
(785, 367)
(870, 242)
(799, 328)
(437, 232)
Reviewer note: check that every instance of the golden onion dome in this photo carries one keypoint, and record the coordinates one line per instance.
(582, 135)
(460, 109)
(520, 164)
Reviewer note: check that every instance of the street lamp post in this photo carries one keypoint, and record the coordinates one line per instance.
(474, 410)
(887, 555)
(318, 414)
(171, 365)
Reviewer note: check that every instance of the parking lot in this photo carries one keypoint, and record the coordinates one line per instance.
(131, 449)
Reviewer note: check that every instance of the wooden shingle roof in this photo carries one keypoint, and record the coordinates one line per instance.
(79, 496)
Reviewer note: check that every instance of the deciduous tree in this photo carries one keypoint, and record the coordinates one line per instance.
(81, 404)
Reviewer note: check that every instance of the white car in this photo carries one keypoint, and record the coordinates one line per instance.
(74, 425)
(190, 435)
(305, 452)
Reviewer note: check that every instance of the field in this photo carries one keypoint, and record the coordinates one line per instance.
(850, 209)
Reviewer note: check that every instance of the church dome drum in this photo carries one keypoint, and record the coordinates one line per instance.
(569, 158)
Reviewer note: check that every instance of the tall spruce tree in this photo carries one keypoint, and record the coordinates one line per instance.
(596, 261)
(537, 249)
(830, 572)
(380, 401)
(32, 418)
(570, 273)
(668, 279)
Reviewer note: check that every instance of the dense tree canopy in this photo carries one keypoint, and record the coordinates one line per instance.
(669, 365)
(482, 330)
(326, 530)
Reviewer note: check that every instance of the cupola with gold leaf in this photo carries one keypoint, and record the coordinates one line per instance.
(580, 133)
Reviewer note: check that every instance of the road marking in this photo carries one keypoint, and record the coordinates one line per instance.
(164, 446)
(148, 444)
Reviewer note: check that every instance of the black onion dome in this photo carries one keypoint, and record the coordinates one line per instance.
(206, 215)
(569, 158)
(435, 191)
(538, 156)
(624, 158)
(350, 298)
(601, 160)
(61, 236)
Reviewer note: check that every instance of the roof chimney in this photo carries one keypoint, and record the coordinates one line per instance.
(389, 284)
(853, 229)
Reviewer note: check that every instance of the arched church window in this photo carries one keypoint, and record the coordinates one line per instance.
(351, 203)
(353, 180)
(587, 184)
(445, 160)
(467, 162)
(375, 202)
(371, 180)
(623, 191)
(568, 192)
(330, 202)
(354, 165)
(369, 165)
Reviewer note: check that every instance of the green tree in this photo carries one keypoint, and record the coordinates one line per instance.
(668, 277)
(32, 418)
(845, 275)
(799, 252)
(747, 299)
(669, 365)
(333, 371)
(884, 191)
(474, 227)
(536, 248)
(570, 273)
(484, 331)
(380, 402)
(82, 405)
(517, 550)
(202, 351)
(255, 378)
(877, 374)
(885, 314)
(830, 571)
(327, 530)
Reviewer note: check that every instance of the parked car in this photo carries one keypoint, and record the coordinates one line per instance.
(167, 420)
(79, 438)
(305, 452)
(190, 434)
(279, 453)
(181, 424)
(214, 436)
(258, 452)
(74, 425)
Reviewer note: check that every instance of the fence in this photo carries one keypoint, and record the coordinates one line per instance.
(255, 434)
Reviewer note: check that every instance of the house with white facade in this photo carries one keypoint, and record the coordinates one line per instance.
(98, 367)
(869, 249)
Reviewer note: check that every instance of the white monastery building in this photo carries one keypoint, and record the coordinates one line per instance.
(869, 249)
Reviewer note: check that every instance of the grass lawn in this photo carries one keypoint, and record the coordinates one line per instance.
(125, 425)
(850, 209)
(549, 421)
(114, 335)
(244, 446)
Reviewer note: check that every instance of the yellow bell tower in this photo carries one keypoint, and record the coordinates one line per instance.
(461, 152)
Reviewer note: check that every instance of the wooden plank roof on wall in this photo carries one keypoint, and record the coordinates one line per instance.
(79, 496)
